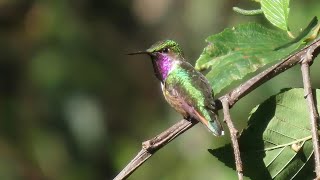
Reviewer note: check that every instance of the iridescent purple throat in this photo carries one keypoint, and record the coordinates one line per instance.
(162, 65)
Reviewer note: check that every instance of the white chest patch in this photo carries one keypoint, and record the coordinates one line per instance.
(174, 66)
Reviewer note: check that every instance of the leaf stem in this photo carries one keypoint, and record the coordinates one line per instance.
(290, 34)
(247, 12)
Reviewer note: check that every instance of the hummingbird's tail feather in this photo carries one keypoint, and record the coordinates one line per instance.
(212, 123)
(215, 126)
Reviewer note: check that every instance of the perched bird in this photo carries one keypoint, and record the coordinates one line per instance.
(185, 89)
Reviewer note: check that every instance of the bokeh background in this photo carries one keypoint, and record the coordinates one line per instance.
(73, 106)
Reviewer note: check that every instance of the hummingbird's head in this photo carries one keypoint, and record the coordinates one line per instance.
(165, 48)
(165, 55)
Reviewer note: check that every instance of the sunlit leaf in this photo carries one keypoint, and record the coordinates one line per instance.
(277, 143)
(277, 12)
(234, 53)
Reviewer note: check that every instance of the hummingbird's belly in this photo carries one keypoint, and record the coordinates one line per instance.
(177, 103)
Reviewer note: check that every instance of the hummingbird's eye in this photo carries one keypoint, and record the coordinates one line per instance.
(165, 50)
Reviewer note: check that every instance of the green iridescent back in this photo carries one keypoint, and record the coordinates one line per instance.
(189, 87)
(188, 81)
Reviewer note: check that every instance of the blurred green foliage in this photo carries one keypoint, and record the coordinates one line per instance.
(73, 106)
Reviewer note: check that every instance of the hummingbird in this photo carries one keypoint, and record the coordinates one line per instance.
(184, 88)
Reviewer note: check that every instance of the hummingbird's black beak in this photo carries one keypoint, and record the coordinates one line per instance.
(139, 52)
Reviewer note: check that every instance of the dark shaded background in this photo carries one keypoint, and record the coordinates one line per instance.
(74, 106)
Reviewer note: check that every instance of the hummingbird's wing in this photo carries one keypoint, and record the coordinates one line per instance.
(190, 93)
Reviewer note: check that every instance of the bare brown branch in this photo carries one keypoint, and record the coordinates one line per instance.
(314, 116)
(234, 137)
(153, 145)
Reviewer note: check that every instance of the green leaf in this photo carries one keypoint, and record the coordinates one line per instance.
(277, 143)
(277, 12)
(234, 53)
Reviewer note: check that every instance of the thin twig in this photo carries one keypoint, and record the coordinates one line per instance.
(234, 96)
(234, 137)
(314, 116)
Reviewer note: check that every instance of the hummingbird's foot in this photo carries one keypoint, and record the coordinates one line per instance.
(189, 118)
